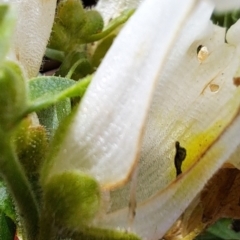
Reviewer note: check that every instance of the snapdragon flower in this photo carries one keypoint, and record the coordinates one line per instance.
(154, 89)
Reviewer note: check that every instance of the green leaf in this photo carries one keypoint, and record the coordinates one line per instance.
(220, 230)
(46, 91)
(51, 117)
(7, 22)
(63, 108)
(41, 88)
(6, 203)
(7, 227)
(12, 94)
(226, 19)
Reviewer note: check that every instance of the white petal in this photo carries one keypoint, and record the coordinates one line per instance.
(193, 103)
(110, 9)
(155, 217)
(105, 135)
(223, 5)
(234, 159)
(233, 34)
(34, 24)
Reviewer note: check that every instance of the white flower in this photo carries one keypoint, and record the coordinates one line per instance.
(151, 91)
(32, 31)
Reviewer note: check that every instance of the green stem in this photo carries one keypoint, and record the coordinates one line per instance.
(55, 54)
(46, 228)
(112, 26)
(19, 187)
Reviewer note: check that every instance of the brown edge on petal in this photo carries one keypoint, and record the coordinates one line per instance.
(228, 165)
(188, 170)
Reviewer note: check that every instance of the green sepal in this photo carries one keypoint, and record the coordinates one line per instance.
(31, 145)
(12, 94)
(72, 199)
(7, 22)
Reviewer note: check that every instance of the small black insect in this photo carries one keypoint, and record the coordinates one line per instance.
(179, 157)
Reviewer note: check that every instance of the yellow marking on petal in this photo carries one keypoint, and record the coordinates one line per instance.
(197, 144)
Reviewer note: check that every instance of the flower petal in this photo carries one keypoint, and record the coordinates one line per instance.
(105, 135)
(193, 104)
(111, 8)
(155, 216)
(223, 5)
(33, 28)
(233, 34)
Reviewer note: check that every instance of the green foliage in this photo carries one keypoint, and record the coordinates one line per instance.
(83, 68)
(7, 20)
(7, 214)
(101, 49)
(46, 91)
(72, 198)
(74, 28)
(12, 94)
(226, 19)
(221, 230)
(7, 226)
(94, 24)
(6, 203)
(31, 146)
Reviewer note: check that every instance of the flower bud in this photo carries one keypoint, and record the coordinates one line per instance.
(93, 25)
(72, 198)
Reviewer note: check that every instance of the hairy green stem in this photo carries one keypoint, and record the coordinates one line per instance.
(46, 228)
(19, 187)
(112, 26)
